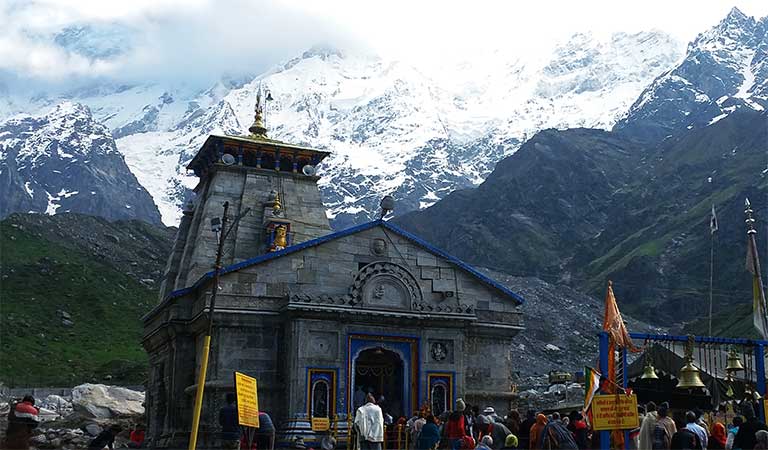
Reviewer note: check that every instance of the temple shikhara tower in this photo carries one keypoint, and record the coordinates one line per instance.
(317, 317)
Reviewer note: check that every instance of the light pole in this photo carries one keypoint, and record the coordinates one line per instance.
(218, 226)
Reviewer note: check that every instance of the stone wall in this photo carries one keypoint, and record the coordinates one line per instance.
(245, 187)
(277, 319)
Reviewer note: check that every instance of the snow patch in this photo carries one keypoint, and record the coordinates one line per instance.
(749, 78)
(66, 194)
(52, 206)
(718, 118)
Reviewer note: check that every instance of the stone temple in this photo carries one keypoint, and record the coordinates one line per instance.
(317, 317)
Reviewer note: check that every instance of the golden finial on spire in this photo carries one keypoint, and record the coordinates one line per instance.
(258, 129)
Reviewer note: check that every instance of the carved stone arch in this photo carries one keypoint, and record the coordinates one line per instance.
(383, 284)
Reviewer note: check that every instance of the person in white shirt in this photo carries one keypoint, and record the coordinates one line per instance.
(369, 422)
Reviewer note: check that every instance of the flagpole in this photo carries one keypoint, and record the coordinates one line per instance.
(712, 230)
(752, 242)
(711, 272)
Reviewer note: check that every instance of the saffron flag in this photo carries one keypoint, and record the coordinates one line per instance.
(591, 386)
(713, 221)
(614, 325)
(759, 313)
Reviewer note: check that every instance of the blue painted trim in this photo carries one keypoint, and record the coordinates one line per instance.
(414, 357)
(624, 380)
(339, 234)
(337, 404)
(760, 369)
(624, 373)
(378, 335)
(702, 339)
(605, 436)
(452, 403)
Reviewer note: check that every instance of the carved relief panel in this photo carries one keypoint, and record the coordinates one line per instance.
(386, 285)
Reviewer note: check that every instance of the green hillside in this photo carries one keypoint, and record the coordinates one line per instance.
(734, 323)
(68, 315)
(580, 207)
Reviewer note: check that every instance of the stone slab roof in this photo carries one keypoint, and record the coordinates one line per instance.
(346, 232)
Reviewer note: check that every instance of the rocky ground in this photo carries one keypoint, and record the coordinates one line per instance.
(561, 329)
(72, 421)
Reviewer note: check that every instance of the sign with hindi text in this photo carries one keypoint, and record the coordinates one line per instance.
(247, 400)
(321, 424)
(614, 412)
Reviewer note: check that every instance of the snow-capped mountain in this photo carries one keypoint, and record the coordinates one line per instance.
(66, 161)
(725, 68)
(396, 128)
(393, 127)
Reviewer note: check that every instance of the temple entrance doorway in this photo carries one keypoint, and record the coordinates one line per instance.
(380, 371)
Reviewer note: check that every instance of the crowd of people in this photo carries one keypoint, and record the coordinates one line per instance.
(659, 430)
(469, 428)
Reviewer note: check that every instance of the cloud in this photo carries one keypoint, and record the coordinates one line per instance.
(157, 40)
(196, 41)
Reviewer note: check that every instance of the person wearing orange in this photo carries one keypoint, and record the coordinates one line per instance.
(536, 431)
(718, 437)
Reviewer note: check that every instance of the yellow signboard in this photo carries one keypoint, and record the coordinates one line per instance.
(614, 412)
(321, 424)
(247, 400)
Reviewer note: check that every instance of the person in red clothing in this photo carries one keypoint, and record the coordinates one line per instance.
(580, 432)
(22, 419)
(455, 429)
(136, 437)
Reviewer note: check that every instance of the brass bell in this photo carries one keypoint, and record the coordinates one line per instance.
(690, 376)
(734, 362)
(729, 392)
(649, 373)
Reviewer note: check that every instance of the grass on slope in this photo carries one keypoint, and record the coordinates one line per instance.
(40, 278)
(734, 323)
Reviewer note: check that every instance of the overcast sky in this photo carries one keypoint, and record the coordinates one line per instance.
(198, 40)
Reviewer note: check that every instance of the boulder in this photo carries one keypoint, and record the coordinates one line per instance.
(93, 429)
(530, 394)
(575, 390)
(47, 415)
(105, 402)
(57, 404)
(557, 389)
(38, 440)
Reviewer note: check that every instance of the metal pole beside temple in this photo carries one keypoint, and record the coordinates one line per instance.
(207, 340)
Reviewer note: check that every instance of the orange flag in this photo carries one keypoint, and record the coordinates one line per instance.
(614, 324)
(618, 336)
